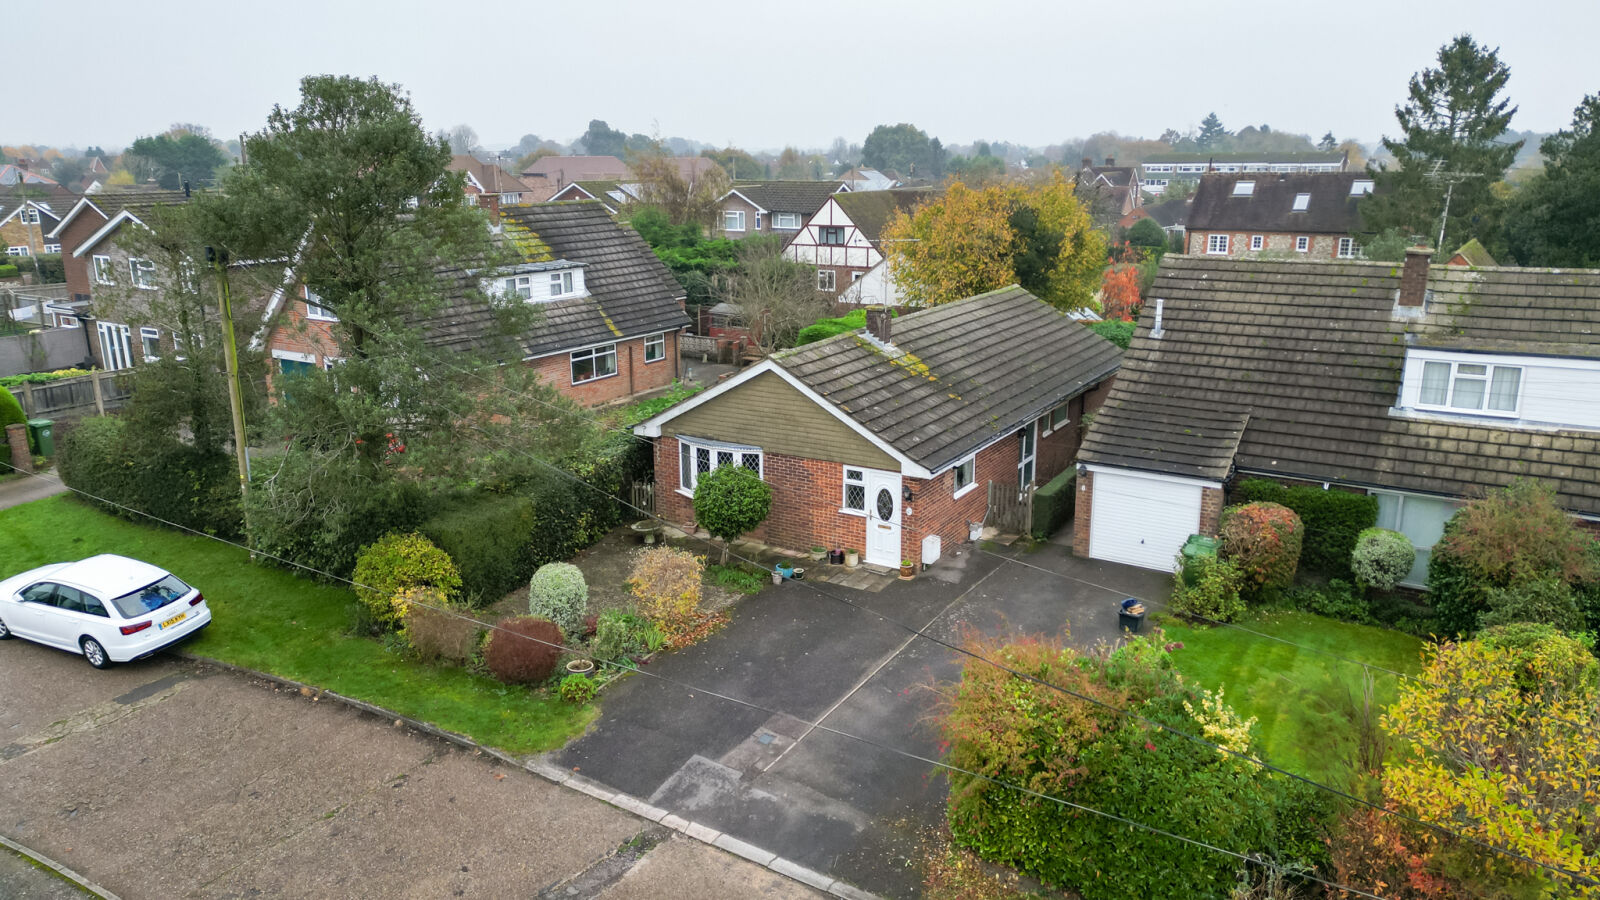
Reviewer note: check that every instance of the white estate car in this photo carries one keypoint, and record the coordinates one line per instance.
(109, 608)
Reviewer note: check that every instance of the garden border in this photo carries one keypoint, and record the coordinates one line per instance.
(567, 779)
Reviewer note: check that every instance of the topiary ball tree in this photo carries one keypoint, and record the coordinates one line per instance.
(1382, 557)
(10, 414)
(1264, 539)
(558, 592)
(731, 501)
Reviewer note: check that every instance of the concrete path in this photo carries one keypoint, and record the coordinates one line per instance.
(853, 810)
(28, 488)
(166, 779)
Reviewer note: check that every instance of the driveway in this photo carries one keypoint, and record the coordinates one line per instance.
(167, 779)
(854, 810)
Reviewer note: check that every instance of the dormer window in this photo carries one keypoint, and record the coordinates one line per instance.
(1360, 187)
(560, 284)
(1244, 188)
(1301, 202)
(1470, 387)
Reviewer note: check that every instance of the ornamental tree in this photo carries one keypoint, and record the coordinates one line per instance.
(1264, 539)
(730, 501)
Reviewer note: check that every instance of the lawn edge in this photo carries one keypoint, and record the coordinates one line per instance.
(57, 869)
(537, 764)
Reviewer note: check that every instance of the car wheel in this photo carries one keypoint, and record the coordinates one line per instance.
(95, 654)
(4, 631)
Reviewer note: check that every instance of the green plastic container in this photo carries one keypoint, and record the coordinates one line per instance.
(1198, 546)
(41, 437)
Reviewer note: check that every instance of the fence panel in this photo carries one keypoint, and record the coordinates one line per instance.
(1009, 511)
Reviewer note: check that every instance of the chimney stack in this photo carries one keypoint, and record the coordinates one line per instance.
(1111, 160)
(1087, 162)
(490, 203)
(1414, 277)
(878, 323)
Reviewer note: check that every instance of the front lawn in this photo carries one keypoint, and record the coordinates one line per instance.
(1302, 699)
(274, 621)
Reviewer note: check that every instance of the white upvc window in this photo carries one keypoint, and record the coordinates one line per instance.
(1302, 202)
(103, 273)
(1257, 241)
(142, 272)
(18, 250)
(1217, 243)
(966, 476)
(1056, 419)
(831, 235)
(853, 501)
(594, 363)
(560, 284)
(733, 220)
(655, 347)
(786, 221)
(150, 343)
(315, 311)
(510, 199)
(1473, 387)
(1421, 519)
(52, 248)
(1348, 248)
(67, 321)
(825, 280)
(1302, 244)
(519, 286)
(28, 217)
(1360, 187)
(697, 459)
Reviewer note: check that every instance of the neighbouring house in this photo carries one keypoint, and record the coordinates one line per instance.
(876, 287)
(613, 195)
(843, 239)
(773, 207)
(28, 214)
(488, 178)
(1314, 213)
(1171, 215)
(888, 437)
(1110, 188)
(21, 172)
(1160, 170)
(862, 178)
(1421, 385)
(611, 311)
(1472, 254)
(556, 172)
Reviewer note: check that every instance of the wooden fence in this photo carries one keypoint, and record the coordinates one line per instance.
(92, 394)
(642, 496)
(1009, 511)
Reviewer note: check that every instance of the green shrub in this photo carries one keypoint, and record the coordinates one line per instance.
(10, 381)
(822, 329)
(558, 592)
(1209, 588)
(1333, 520)
(619, 634)
(1264, 540)
(1382, 557)
(577, 689)
(490, 537)
(736, 578)
(133, 473)
(1052, 504)
(1115, 330)
(523, 650)
(8, 271)
(1539, 601)
(730, 501)
(10, 414)
(434, 630)
(399, 562)
(1338, 600)
(50, 268)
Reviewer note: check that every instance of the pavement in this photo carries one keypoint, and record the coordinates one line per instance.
(28, 488)
(23, 879)
(798, 657)
(171, 779)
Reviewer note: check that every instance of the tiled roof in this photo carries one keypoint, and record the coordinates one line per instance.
(490, 176)
(11, 174)
(55, 199)
(576, 168)
(872, 210)
(803, 197)
(1170, 213)
(631, 292)
(1117, 176)
(957, 376)
(1307, 357)
(1270, 204)
(1474, 254)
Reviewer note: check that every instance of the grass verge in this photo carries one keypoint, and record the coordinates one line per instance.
(1303, 700)
(277, 622)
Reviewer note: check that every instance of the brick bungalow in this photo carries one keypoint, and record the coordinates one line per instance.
(1422, 385)
(878, 439)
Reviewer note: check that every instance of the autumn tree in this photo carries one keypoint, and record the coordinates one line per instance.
(1119, 293)
(687, 198)
(971, 240)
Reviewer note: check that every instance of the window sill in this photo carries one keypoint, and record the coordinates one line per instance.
(594, 379)
(322, 318)
(964, 491)
(684, 492)
(656, 360)
(1472, 413)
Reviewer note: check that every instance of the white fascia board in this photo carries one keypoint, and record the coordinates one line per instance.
(1155, 476)
(105, 230)
(652, 427)
(82, 202)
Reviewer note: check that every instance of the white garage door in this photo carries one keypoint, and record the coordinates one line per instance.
(1141, 521)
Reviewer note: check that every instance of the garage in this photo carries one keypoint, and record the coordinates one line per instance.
(1141, 519)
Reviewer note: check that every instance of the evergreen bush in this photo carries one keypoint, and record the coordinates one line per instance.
(137, 476)
(730, 501)
(1210, 588)
(1333, 520)
(10, 414)
(1536, 601)
(1382, 557)
(490, 537)
(396, 563)
(1052, 504)
(558, 592)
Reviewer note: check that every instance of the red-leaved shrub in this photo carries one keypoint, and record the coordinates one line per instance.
(1264, 540)
(523, 649)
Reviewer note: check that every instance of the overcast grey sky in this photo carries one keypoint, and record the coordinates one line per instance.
(761, 75)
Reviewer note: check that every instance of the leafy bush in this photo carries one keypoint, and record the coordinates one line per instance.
(1333, 520)
(1115, 330)
(523, 650)
(134, 472)
(735, 578)
(434, 633)
(396, 563)
(10, 414)
(1209, 588)
(666, 582)
(731, 501)
(558, 592)
(822, 329)
(1052, 504)
(577, 689)
(10, 381)
(619, 634)
(50, 268)
(8, 270)
(490, 538)
(1538, 601)
(1338, 600)
(1382, 557)
(1264, 540)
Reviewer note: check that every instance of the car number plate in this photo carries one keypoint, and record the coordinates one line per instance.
(175, 620)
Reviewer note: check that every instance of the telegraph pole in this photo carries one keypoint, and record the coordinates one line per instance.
(230, 352)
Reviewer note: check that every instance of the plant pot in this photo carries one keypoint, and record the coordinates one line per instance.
(907, 570)
(580, 667)
(777, 577)
(799, 573)
(852, 558)
(817, 554)
(836, 557)
(785, 569)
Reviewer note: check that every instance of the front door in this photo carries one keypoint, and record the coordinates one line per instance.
(883, 518)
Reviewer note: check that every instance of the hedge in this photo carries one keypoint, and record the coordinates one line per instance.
(160, 476)
(490, 537)
(1052, 504)
(10, 414)
(8, 271)
(1333, 520)
(822, 329)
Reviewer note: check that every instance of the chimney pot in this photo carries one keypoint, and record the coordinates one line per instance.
(878, 324)
(1111, 160)
(1414, 277)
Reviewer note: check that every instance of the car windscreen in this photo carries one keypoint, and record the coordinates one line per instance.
(150, 597)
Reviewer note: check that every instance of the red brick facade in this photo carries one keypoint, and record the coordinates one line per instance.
(1082, 513)
(80, 277)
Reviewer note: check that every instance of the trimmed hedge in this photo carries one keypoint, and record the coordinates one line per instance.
(159, 476)
(10, 414)
(1333, 520)
(1053, 503)
(490, 537)
(8, 271)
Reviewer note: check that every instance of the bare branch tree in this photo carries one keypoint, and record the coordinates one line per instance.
(776, 297)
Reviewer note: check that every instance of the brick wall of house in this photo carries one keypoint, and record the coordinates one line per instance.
(1323, 246)
(936, 510)
(634, 375)
(1210, 510)
(733, 204)
(1082, 510)
(843, 276)
(80, 276)
(296, 333)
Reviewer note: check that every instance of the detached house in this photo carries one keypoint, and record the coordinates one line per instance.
(488, 178)
(1421, 385)
(843, 239)
(773, 207)
(885, 437)
(28, 214)
(1111, 188)
(1317, 214)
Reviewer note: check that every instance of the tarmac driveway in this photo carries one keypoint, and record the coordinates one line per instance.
(853, 809)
